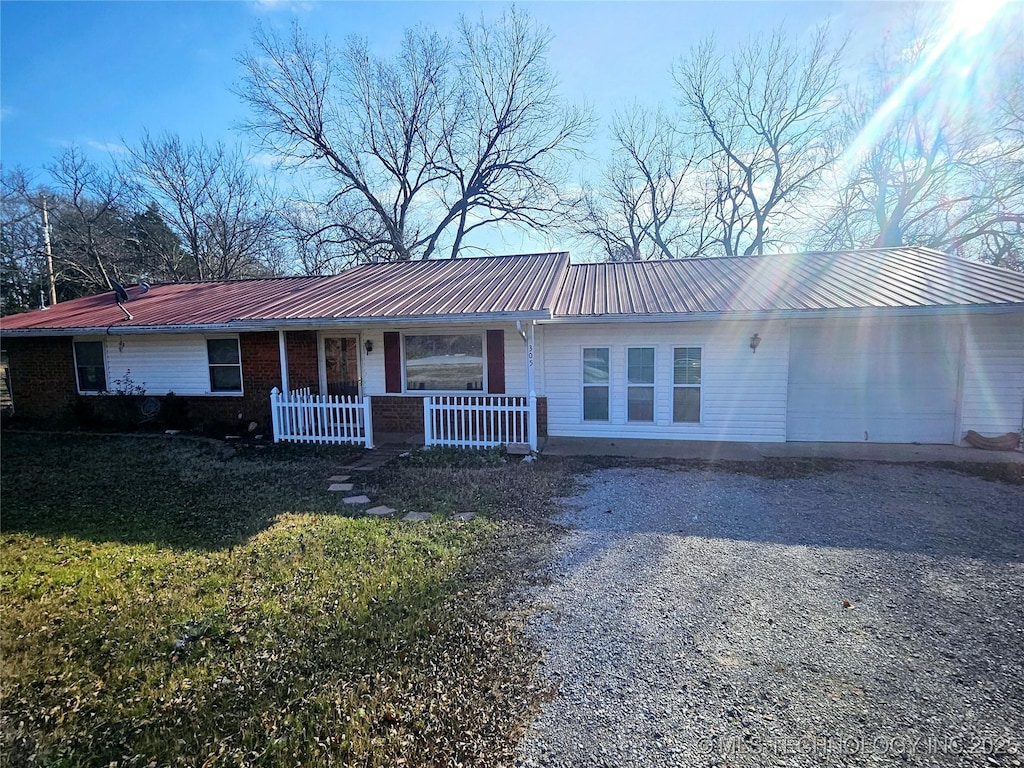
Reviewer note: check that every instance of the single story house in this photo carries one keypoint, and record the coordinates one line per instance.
(885, 345)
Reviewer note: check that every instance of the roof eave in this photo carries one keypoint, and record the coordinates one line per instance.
(792, 314)
(270, 324)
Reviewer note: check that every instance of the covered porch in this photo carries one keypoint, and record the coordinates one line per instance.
(442, 381)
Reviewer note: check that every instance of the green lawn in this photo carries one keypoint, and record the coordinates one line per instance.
(177, 602)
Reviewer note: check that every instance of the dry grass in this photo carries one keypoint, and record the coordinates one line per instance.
(178, 603)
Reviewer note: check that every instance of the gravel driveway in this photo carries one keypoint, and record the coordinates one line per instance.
(872, 615)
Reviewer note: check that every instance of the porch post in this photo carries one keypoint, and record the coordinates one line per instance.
(283, 354)
(368, 421)
(428, 437)
(275, 415)
(531, 385)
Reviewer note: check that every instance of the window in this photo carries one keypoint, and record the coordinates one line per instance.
(595, 383)
(640, 378)
(686, 385)
(449, 363)
(92, 375)
(225, 365)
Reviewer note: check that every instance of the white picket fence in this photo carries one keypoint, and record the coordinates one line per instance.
(300, 416)
(475, 421)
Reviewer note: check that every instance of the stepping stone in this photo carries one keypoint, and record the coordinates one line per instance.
(464, 517)
(360, 499)
(338, 478)
(417, 517)
(340, 487)
(380, 511)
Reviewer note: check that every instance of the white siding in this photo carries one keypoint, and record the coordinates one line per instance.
(161, 364)
(743, 393)
(993, 387)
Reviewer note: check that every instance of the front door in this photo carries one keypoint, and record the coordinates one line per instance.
(341, 364)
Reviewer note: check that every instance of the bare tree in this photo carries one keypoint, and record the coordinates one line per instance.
(936, 158)
(89, 230)
(648, 204)
(22, 267)
(95, 236)
(764, 121)
(214, 200)
(417, 152)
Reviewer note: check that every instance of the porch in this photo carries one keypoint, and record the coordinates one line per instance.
(462, 421)
(449, 382)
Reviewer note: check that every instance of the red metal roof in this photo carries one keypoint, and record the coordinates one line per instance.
(499, 285)
(475, 286)
(546, 285)
(869, 279)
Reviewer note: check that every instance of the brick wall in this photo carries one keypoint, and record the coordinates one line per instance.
(261, 372)
(303, 364)
(396, 414)
(405, 414)
(45, 391)
(42, 377)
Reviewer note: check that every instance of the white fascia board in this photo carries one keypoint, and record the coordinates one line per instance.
(250, 326)
(792, 314)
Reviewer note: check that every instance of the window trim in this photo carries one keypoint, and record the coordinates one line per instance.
(698, 387)
(209, 366)
(652, 386)
(584, 384)
(482, 335)
(106, 373)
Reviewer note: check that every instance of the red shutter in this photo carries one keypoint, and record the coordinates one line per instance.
(392, 361)
(496, 362)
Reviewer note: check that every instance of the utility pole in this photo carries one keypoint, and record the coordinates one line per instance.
(49, 255)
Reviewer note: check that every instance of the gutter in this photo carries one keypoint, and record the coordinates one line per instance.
(242, 326)
(544, 317)
(791, 314)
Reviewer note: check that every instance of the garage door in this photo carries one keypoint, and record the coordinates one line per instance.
(856, 382)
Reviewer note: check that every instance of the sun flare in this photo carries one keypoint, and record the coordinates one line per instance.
(970, 17)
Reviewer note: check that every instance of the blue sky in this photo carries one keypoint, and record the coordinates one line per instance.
(98, 73)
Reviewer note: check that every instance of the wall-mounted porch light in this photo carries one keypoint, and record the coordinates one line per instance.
(368, 346)
(755, 340)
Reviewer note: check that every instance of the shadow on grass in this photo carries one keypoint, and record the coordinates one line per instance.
(174, 492)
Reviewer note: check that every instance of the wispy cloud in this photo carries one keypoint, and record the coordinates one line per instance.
(294, 6)
(6, 112)
(111, 147)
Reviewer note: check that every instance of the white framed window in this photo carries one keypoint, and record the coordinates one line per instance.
(640, 384)
(596, 370)
(90, 366)
(686, 385)
(225, 361)
(444, 362)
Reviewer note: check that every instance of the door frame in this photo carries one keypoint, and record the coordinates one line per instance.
(321, 360)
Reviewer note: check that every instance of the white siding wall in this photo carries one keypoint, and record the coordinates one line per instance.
(515, 353)
(993, 386)
(743, 393)
(161, 364)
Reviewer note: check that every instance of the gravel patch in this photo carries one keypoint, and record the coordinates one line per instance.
(872, 615)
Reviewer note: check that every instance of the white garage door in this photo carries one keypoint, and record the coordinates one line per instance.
(880, 383)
